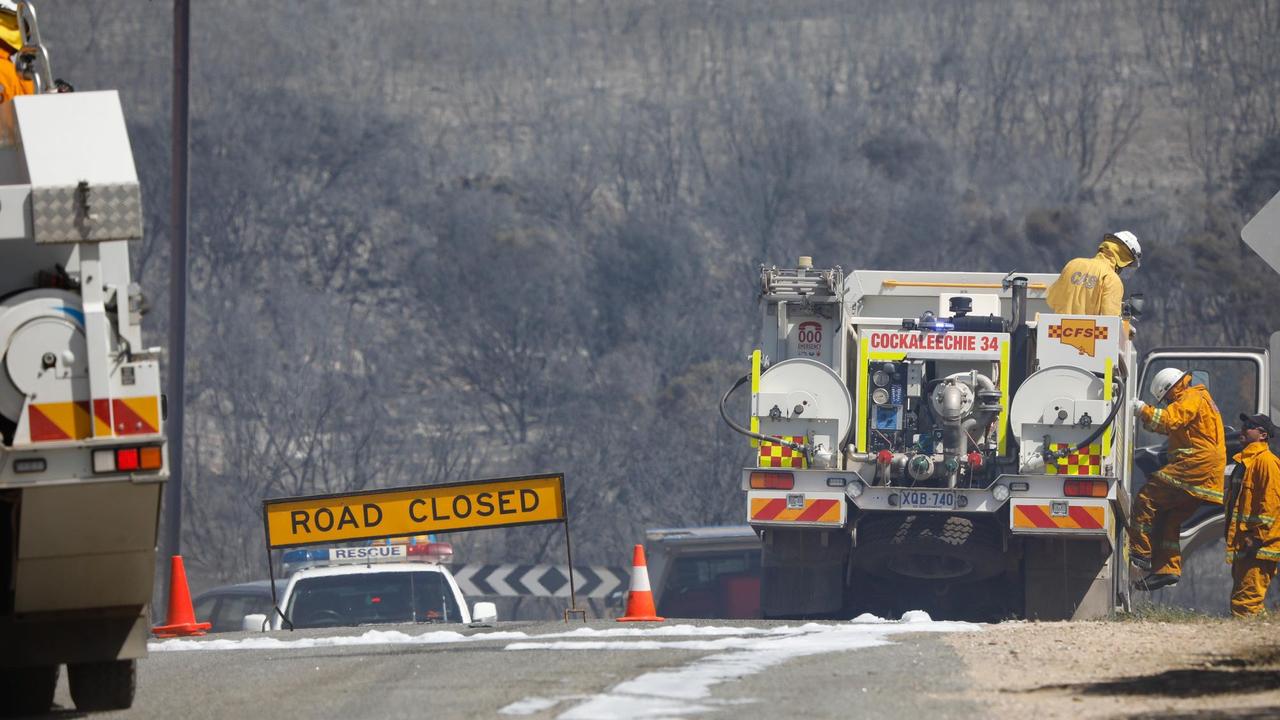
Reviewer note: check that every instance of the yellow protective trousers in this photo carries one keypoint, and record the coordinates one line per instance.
(1158, 515)
(1250, 578)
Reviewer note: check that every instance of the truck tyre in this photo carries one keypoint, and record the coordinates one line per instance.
(28, 690)
(933, 547)
(103, 685)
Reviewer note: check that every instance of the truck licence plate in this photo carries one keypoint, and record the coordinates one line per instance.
(795, 501)
(929, 499)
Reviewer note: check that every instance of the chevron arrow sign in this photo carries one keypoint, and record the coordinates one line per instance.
(594, 581)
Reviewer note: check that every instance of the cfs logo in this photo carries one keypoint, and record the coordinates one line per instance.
(1081, 334)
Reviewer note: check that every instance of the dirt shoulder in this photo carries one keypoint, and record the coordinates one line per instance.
(1109, 669)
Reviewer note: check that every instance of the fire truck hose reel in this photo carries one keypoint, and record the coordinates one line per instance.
(1051, 456)
(724, 413)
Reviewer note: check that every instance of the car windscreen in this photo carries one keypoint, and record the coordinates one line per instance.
(369, 598)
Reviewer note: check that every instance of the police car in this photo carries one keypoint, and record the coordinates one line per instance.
(396, 582)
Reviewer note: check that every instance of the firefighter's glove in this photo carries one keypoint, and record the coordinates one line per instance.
(1137, 406)
(1249, 547)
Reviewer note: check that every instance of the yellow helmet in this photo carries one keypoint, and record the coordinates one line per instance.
(9, 33)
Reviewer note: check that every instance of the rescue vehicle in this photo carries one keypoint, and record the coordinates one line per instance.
(401, 581)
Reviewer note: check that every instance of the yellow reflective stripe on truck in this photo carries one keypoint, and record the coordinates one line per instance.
(1002, 430)
(1106, 395)
(755, 391)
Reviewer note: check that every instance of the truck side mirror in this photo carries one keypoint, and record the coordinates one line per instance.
(254, 622)
(484, 614)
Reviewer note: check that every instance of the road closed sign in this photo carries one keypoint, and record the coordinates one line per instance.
(421, 510)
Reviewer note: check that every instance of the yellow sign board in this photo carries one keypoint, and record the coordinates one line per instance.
(415, 511)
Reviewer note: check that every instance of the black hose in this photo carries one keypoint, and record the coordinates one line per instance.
(753, 435)
(1052, 455)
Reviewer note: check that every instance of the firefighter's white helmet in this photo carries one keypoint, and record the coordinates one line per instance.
(1130, 243)
(1164, 381)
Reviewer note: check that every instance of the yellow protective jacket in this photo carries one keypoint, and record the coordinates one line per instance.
(1088, 286)
(1252, 518)
(1197, 448)
(11, 84)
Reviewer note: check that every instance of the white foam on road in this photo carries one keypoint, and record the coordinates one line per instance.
(531, 705)
(659, 630)
(395, 637)
(372, 637)
(686, 690)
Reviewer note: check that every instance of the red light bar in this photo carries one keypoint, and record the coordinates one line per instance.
(1084, 488)
(438, 551)
(772, 481)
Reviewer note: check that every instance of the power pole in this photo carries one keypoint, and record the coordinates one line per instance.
(178, 224)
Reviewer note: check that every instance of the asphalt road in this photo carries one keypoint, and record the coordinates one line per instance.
(752, 669)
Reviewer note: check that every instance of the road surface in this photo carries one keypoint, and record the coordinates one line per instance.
(727, 669)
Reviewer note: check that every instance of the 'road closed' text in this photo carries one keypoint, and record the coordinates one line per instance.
(414, 511)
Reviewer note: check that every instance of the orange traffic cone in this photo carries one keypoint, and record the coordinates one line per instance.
(182, 617)
(640, 597)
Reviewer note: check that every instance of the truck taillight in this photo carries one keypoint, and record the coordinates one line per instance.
(1084, 488)
(772, 481)
(128, 459)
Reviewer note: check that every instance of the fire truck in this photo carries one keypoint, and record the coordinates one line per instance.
(82, 447)
(943, 441)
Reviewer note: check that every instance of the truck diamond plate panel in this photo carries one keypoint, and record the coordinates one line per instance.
(114, 213)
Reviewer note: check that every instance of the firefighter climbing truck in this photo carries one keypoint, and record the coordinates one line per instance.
(939, 440)
(83, 459)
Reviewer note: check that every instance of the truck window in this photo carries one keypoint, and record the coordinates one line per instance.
(1233, 383)
(369, 598)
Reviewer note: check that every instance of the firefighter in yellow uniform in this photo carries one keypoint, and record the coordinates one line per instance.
(1253, 517)
(1193, 475)
(11, 84)
(1092, 286)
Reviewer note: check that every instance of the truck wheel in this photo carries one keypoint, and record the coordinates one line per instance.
(933, 547)
(27, 691)
(103, 685)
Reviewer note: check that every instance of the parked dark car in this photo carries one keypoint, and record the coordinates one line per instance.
(226, 606)
(705, 572)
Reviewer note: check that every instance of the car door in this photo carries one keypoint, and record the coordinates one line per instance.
(1238, 379)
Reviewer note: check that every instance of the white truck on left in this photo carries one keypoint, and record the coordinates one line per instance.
(83, 458)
